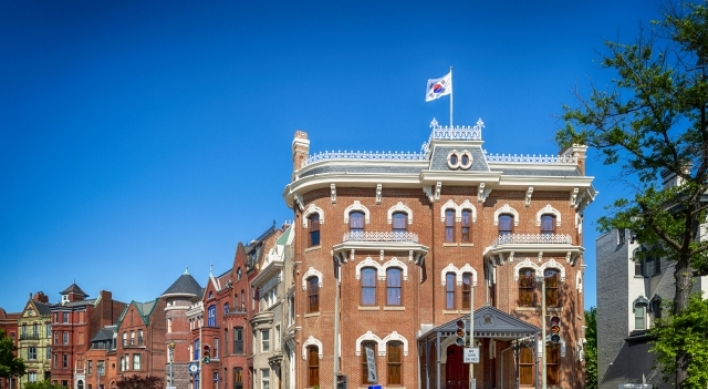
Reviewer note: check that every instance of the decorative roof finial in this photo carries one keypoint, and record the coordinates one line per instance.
(186, 271)
(434, 123)
(211, 267)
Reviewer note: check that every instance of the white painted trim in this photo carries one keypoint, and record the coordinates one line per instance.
(396, 336)
(394, 262)
(450, 268)
(356, 207)
(552, 264)
(523, 264)
(400, 207)
(449, 205)
(504, 210)
(468, 205)
(309, 211)
(310, 273)
(548, 209)
(311, 341)
(370, 336)
(369, 262)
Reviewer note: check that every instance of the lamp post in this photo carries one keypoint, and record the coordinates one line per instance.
(171, 357)
(542, 279)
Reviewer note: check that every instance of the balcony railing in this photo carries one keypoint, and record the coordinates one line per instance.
(532, 239)
(237, 311)
(139, 342)
(380, 237)
(29, 336)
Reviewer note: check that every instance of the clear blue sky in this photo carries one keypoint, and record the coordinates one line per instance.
(138, 138)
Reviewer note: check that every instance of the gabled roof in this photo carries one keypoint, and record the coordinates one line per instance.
(73, 288)
(103, 334)
(489, 322)
(185, 285)
(144, 310)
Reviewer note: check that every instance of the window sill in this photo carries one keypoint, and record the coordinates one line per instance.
(451, 312)
(313, 248)
(394, 308)
(369, 308)
(449, 244)
(527, 309)
(313, 314)
(466, 244)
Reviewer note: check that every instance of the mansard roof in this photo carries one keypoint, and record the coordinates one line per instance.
(75, 289)
(103, 334)
(185, 285)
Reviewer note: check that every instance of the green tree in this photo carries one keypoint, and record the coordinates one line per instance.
(654, 120)
(10, 366)
(591, 348)
(42, 385)
(687, 331)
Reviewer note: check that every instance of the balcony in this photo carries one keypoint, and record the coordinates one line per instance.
(397, 242)
(505, 247)
(236, 311)
(29, 336)
(133, 343)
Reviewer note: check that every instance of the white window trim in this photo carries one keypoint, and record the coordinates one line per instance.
(311, 341)
(458, 210)
(458, 274)
(394, 262)
(356, 207)
(369, 262)
(309, 211)
(370, 336)
(552, 264)
(400, 207)
(504, 210)
(310, 273)
(395, 336)
(523, 264)
(579, 282)
(548, 210)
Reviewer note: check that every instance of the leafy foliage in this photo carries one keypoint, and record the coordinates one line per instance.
(687, 331)
(137, 382)
(591, 348)
(10, 366)
(654, 122)
(42, 385)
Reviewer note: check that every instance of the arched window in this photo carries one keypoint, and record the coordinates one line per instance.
(364, 362)
(526, 366)
(466, 290)
(548, 224)
(314, 221)
(526, 278)
(368, 286)
(466, 219)
(313, 294)
(238, 274)
(506, 223)
(656, 307)
(313, 366)
(449, 225)
(212, 316)
(226, 309)
(393, 286)
(243, 300)
(356, 222)
(400, 222)
(552, 279)
(450, 290)
(394, 363)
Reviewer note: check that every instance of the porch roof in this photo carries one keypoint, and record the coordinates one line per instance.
(489, 322)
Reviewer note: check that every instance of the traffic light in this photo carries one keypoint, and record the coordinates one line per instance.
(555, 329)
(207, 353)
(461, 334)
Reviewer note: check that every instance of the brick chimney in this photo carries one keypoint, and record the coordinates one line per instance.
(301, 149)
(40, 297)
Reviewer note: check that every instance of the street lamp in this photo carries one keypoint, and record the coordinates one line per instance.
(171, 357)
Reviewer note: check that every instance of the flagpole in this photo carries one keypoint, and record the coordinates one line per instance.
(451, 93)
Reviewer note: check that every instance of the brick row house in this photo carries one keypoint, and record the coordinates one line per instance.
(75, 322)
(35, 332)
(141, 349)
(236, 324)
(393, 250)
(8, 324)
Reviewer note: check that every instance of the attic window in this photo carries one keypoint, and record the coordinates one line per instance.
(211, 294)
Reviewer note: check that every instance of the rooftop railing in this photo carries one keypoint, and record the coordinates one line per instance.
(532, 239)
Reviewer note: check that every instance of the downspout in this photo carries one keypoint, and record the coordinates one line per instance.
(337, 282)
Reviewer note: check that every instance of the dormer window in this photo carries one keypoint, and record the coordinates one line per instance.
(64, 298)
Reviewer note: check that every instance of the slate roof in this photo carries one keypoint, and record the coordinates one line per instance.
(539, 172)
(42, 308)
(103, 334)
(184, 285)
(144, 310)
(490, 322)
(438, 161)
(362, 169)
(73, 288)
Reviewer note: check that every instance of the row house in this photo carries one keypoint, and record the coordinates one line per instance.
(101, 360)
(178, 299)
(8, 326)
(396, 251)
(141, 330)
(75, 321)
(221, 322)
(34, 345)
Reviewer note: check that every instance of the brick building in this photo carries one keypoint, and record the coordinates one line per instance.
(75, 321)
(100, 360)
(141, 330)
(392, 250)
(8, 324)
(177, 300)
